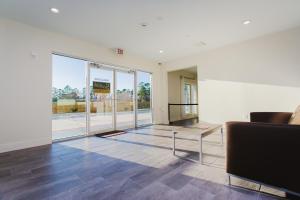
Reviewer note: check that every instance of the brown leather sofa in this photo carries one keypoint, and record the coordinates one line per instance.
(265, 150)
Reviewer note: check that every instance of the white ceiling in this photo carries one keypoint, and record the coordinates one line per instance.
(175, 26)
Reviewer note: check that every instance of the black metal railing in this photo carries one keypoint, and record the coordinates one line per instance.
(191, 114)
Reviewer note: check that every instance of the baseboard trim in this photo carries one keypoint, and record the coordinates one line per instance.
(24, 144)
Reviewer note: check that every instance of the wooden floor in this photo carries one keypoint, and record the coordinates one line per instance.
(137, 165)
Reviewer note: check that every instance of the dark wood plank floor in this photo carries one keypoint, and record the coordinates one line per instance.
(104, 168)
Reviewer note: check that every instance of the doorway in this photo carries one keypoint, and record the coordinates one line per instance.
(183, 95)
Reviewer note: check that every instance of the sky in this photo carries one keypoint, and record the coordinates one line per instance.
(70, 71)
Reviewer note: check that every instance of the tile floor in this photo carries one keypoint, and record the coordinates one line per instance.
(135, 165)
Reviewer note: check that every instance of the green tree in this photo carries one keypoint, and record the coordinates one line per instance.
(144, 95)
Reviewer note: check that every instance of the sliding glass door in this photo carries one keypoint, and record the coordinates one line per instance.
(88, 98)
(101, 100)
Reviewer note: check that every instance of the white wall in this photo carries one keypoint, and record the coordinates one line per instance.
(261, 74)
(222, 101)
(25, 81)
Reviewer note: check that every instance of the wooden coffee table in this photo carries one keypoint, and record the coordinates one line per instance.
(201, 130)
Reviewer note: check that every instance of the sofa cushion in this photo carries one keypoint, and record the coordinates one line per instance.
(295, 119)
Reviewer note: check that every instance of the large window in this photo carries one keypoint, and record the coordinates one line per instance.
(88, 98)
(144, 111)
(68, 97)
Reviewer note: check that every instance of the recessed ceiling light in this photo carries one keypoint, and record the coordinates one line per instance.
(246, 22)
(144, 24)
(161, 51)
(54, 10)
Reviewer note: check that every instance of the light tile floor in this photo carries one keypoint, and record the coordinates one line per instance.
(153, 148)
(137, 165)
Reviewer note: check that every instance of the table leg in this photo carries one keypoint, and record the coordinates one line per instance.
(174, 133)
(200, 151)
(222, 136)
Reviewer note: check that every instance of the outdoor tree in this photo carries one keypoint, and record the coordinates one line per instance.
(144, 95)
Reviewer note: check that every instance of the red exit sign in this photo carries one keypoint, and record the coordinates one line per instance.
(119, 51)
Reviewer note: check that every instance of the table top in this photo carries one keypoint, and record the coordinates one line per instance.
(202, 128)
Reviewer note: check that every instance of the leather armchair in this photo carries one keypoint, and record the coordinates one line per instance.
(265, 150)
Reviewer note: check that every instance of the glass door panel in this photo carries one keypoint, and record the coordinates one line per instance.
(144, 108)
(68, 97)
(101, 100)
(125, 114)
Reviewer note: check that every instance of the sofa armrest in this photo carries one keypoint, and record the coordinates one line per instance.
(271, 117)
(263, 152)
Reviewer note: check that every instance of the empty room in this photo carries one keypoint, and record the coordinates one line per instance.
(150, 100)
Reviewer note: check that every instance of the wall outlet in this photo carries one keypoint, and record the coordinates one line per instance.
(34, 55)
